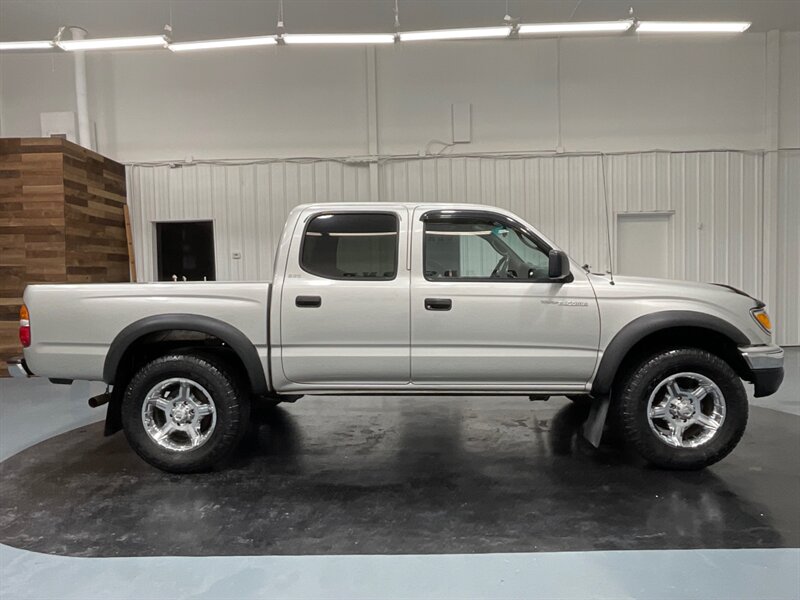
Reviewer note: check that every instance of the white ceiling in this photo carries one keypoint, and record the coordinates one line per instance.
(198, 19)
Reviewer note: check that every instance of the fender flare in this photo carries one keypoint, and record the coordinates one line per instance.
(234, 338)
(639, 328)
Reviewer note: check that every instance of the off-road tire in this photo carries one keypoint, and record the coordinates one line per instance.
(638, 384)
(231, 399)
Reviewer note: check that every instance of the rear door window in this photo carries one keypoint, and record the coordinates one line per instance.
(358, 246)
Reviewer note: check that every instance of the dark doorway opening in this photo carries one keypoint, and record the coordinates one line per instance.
(185, 249)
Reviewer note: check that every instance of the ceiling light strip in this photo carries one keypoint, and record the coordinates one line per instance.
(156, 41)
(568, 28)
(36, 45)
(456, 34)
(146, 41)
(264, 40)
(692, 26)
(338, 38)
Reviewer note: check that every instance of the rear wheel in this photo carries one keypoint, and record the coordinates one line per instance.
(683, 409)
(185, 413)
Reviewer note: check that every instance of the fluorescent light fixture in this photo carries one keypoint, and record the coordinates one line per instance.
(338, 38)
(559, 28)
(692, 26)
(264, 40)
(42, 45)
(145, 41)
(456, 34)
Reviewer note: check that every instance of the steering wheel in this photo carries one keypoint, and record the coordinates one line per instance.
(501, 267)
(502, 270)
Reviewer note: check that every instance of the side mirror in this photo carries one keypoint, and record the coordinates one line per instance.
(558, 266)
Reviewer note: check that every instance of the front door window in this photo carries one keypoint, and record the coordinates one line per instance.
(481, 248)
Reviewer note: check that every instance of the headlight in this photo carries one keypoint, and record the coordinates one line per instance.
(762, 318)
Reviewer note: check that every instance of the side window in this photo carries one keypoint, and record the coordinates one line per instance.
(351, 246)
(477, 248)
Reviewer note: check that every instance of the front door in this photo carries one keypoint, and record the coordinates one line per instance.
(484, 312)
(345, 301)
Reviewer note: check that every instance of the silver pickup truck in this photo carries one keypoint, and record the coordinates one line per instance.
(408, 299)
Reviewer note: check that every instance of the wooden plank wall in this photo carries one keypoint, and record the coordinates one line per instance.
(94, 211)
(61, 220)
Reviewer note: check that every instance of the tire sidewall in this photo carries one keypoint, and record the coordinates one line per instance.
(634, 408)
(229, 403)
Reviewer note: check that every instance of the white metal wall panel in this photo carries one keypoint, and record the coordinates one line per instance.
(787, 264)
(715, 197)
(248, 204)
(716, 200)
(561, 196)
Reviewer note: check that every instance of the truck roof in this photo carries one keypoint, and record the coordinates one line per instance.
(408, 205)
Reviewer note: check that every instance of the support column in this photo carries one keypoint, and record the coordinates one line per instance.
(769, 255)
(372, 123)
(81, 94)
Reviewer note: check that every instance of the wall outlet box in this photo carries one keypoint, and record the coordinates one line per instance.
(237, 255)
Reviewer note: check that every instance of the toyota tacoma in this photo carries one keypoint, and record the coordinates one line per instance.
(427, 299)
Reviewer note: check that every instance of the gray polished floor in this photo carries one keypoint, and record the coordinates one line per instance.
(427, 475)
(459, 535)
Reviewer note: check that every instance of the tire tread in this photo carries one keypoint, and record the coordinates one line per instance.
(636, 431)
(234, 399)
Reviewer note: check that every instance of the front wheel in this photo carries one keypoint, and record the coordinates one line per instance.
(683, 409)
(185, 413)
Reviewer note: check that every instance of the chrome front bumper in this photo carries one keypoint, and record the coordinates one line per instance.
(763, 357)
(17, 367)
(766, 368)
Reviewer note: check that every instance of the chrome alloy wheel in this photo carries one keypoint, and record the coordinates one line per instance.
(179, 414)
(686, 410)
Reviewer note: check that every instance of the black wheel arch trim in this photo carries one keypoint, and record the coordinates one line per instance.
(233, 337)
(641, 327)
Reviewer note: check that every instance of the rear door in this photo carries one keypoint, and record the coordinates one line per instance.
(345, 299)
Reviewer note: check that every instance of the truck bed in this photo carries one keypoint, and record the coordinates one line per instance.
(73, 325)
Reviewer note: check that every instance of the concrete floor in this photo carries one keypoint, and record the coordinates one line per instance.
(507, 483)
(361, 475)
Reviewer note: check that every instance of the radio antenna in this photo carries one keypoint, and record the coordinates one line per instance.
(608, 219)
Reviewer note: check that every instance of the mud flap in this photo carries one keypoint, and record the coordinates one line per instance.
(114, 413)
(593, 427)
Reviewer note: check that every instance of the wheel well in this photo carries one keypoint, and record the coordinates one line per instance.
(683, 337)
(160, 343)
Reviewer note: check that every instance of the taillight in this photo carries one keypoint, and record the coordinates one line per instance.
(24, 327)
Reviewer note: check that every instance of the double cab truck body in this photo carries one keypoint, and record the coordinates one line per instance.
(376, 298)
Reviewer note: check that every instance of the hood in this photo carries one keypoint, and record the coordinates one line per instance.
(633, 297)
(652, 286)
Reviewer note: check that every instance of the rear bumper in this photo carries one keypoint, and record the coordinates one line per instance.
(766, 368)
(18, 368)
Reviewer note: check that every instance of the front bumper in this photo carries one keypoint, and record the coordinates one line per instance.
(765, 364)
(17, 367)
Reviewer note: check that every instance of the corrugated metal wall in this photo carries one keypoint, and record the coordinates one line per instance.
(248, 204)
(715, 198)
(787, 261)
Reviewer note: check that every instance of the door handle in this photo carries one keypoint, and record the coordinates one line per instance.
(438, 304)
(308, 301)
